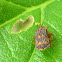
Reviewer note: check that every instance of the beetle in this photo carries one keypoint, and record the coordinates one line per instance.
(42, 38)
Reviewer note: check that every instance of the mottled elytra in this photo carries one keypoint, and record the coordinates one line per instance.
(42, 38)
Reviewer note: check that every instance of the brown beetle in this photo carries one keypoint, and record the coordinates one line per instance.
(42, 38)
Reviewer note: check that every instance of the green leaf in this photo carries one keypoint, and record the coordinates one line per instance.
(8, 11)
(27, 3)
(19, 47)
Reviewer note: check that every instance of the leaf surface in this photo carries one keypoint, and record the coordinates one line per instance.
(19, 47)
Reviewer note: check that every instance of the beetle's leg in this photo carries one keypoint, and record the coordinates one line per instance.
(34, 37)
(47, 27)
(49, 34)
(36, 30)
(51, 44)
(54, 37)
(37, 24)
(50, 39)
(47, 39)
(34, 42)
